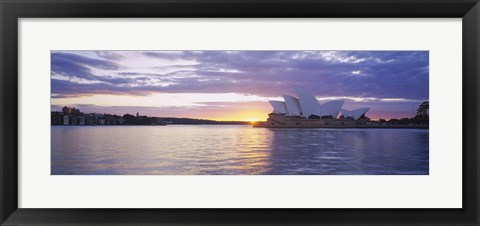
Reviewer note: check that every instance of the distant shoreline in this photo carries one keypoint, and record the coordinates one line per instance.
(72, 116)
(356, 127)
(218, 124)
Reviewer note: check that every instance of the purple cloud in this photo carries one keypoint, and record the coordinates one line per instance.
(377, 74)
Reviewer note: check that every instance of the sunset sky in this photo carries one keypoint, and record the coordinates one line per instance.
(236, 85)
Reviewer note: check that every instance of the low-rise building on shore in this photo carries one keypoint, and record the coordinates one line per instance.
(72, 116)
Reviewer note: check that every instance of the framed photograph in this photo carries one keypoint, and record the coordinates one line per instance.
(265, 112)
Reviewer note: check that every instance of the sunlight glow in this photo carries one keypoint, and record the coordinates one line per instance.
(159, 100)
(252, 120)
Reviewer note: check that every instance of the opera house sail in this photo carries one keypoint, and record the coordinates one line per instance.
(306, 111)
(278, 107)
(355, 114)
(308, 103)
(293, 105)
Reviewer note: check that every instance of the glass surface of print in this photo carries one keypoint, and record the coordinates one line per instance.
(240, 112)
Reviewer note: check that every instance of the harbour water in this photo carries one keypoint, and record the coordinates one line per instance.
(236, 150)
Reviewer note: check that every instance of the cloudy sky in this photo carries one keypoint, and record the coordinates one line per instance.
(236, 85)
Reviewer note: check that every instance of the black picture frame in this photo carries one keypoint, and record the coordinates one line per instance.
(12, 10)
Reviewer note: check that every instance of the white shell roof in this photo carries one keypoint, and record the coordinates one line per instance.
(279, 107)
(293, 105)
(308, 103)
(355, 114)
(332, 107)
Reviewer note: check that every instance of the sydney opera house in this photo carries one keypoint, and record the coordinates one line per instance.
(306, 111)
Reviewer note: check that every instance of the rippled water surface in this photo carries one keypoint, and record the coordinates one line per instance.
(237, 150)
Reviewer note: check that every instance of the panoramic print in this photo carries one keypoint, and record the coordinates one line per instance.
(239, 112)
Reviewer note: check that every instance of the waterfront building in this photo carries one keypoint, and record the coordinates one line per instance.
(56, 118)
(81, 120)
(307, 111)
(72, 116)
(307, 106)
(66, 120)
(311, 108)
(74, 120)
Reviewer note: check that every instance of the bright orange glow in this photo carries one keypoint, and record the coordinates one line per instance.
(219, 107)
(247, 116)
(252, 119)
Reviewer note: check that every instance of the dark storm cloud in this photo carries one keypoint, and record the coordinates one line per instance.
(380, 74)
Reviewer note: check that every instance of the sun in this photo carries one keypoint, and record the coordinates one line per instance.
(252, 119)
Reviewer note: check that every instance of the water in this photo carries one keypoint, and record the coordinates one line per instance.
(236, 150)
